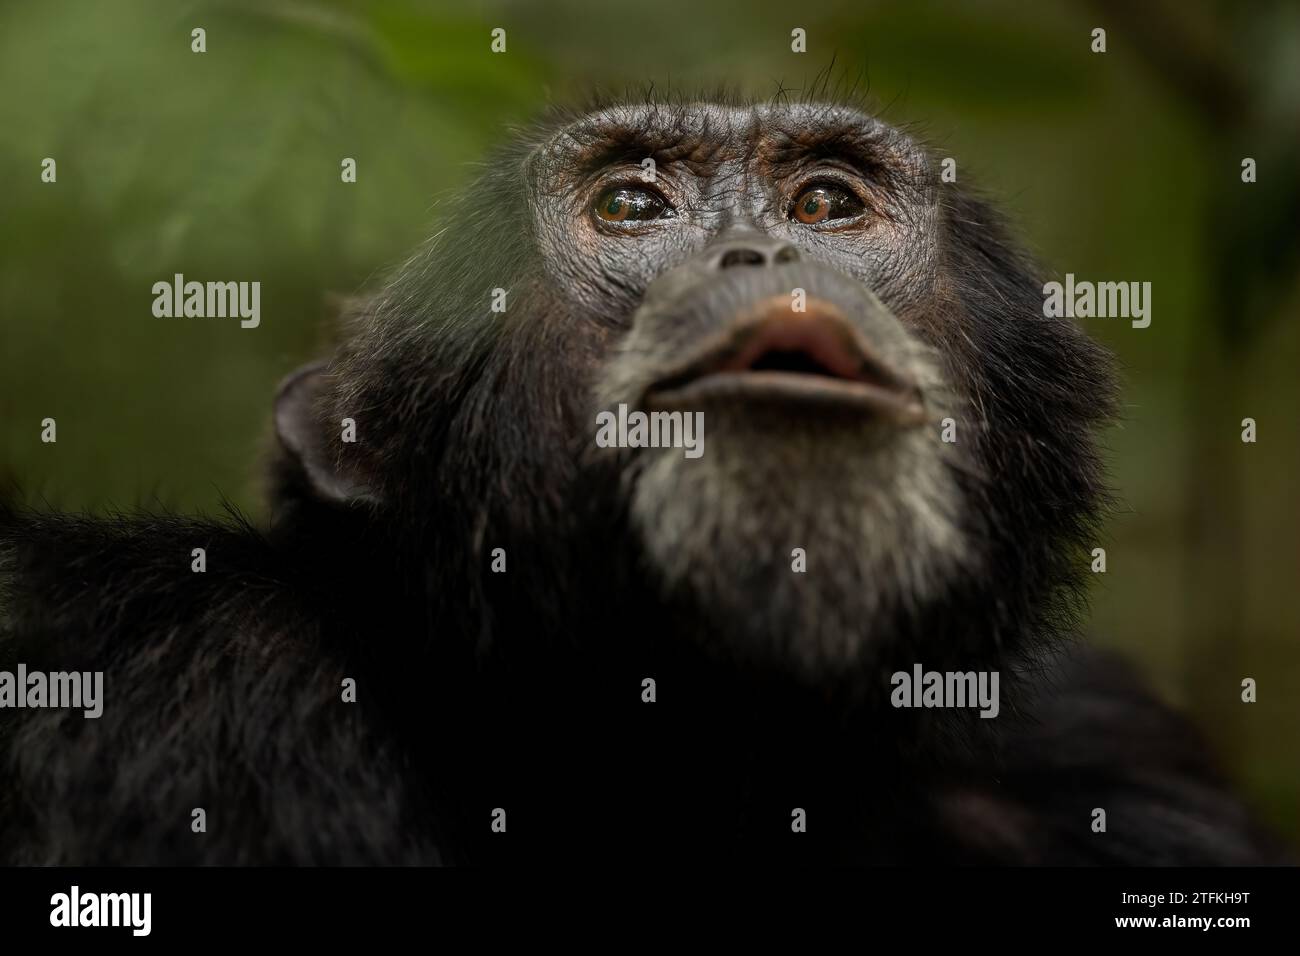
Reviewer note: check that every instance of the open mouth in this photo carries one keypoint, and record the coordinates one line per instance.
(815, 357)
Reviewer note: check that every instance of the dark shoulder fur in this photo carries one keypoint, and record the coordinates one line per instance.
(223, 693)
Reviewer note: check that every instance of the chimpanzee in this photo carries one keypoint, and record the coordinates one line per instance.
(471, 633)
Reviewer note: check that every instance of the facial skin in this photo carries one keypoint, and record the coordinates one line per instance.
(728, 171)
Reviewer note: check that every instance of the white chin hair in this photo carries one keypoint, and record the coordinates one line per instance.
(873, 512)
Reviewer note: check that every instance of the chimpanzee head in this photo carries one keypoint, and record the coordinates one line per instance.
(896, 443)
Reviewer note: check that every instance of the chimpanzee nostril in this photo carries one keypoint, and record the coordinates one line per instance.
(741, 257)
(755, 250)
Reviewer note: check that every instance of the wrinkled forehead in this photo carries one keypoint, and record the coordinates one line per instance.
(710, 132)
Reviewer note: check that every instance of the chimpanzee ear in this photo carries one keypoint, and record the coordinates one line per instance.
(330, 468)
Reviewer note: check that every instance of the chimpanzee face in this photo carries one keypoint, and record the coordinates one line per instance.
(761, 282)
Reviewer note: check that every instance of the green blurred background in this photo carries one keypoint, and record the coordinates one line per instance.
(1119, 166)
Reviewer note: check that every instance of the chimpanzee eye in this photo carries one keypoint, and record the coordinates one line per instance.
(823, 203)
(629, 204)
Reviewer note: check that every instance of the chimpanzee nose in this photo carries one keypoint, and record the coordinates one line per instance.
(753, 250)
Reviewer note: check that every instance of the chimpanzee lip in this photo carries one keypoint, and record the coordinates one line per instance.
(837, 367)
